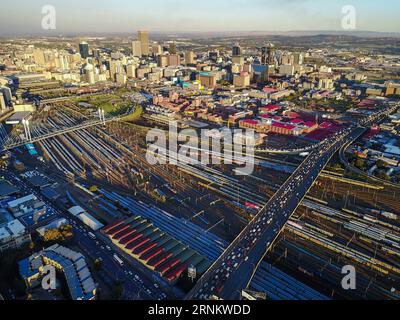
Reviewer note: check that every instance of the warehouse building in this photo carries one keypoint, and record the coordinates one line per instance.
(86, 218)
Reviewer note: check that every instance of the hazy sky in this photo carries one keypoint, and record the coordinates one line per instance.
(24, 16)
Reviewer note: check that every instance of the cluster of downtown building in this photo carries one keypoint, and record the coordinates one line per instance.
(246, 86)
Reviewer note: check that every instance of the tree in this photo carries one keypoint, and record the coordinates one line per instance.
(98, 264)
(382, 175)
(31, 245)
(52, 235)
(381, 164)
(62, 234)
(360, 163)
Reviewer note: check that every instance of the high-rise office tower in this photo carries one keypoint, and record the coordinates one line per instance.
(131, 71)
(268, 60)
(89, 73)
(236, 50)
(156, 49)
(6, 91)
(174, 60)
(271, 54)
(115, 67)
(298, 58)
(96, 53)
(162, 61)
(137, 48)
(143, 37)
(268, 54)
(84, 49)
(38, 56)
(62, 62)
(189, 57)
(3, 105)
(287, 58)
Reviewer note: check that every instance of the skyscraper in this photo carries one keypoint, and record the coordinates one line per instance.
(131, 71)
(96, 53)
(189, 57)
(6, 92)
(137, 48)
(3, 105)
(162, 61)
(84, 49)
(143, 37)
(174, 60)
(268, 54)
(298, 58)
(62, 62)
(38, 56)
(156, 49)
(89, 73)
(236, 50)
(268, 60)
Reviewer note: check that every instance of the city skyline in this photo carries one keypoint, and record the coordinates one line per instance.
(187, 17)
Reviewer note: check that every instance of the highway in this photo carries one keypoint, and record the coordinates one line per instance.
(235, 268)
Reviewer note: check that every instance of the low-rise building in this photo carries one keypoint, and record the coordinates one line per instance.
(73, 264)
(13, 235)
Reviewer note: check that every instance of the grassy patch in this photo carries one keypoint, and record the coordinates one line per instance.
(134, 116)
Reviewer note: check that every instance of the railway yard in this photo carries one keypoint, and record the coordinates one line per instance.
(192, 212)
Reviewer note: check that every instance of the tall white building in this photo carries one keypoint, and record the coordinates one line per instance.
(89, 73)
(137, 48)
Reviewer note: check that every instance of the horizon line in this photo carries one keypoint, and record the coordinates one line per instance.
(162, 32)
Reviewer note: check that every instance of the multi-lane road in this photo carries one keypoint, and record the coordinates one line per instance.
(233, 271)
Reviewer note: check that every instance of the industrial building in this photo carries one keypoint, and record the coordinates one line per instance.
(86, 218)
(154, 248)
